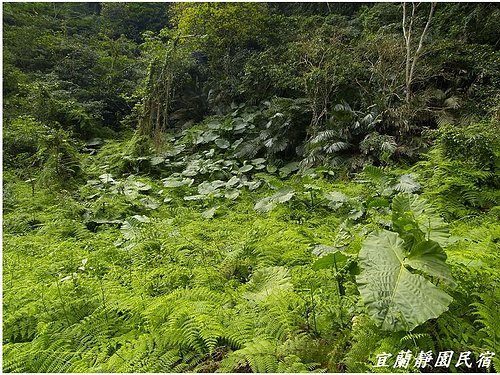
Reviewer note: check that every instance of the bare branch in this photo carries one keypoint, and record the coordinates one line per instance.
(420, 43)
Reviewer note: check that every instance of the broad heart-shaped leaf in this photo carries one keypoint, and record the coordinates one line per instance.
(413, 217)
(232, 181)
(396, 298)
(194, 197)
(265, 205)
(336, 199)
(222, 143)
(246, 168)
(289, 168)
(155, 160)
(335, 259)
(210, 187)
(271, 168)
(268, 203)
(150, 203)
(283, 195)
(429, 257)
(252, 185)
(208, 214)
(232, 194)
(258, 161)
(172, 182)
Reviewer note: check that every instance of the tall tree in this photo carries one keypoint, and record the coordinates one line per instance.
(413, 54)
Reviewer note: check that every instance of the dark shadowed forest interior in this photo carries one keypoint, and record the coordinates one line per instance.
(251, 187)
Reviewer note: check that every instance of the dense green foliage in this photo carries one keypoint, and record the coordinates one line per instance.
(249, 187)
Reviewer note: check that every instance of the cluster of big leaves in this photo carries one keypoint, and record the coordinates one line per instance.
(400, 268)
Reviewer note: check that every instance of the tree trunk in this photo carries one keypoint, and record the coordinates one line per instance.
(411, 60)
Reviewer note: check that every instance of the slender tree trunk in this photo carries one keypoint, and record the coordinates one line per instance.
(411, 60)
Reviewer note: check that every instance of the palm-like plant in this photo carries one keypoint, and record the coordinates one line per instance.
(340, 142)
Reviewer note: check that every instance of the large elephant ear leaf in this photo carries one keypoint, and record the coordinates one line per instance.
(396, 298)
(429, 257)
(413, 216)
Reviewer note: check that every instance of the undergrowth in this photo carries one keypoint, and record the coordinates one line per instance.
(148, 268)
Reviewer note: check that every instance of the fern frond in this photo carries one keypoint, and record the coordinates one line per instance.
(407, 184)
(266, 281)
(259, 355)
(336, 147)
(323, 136)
